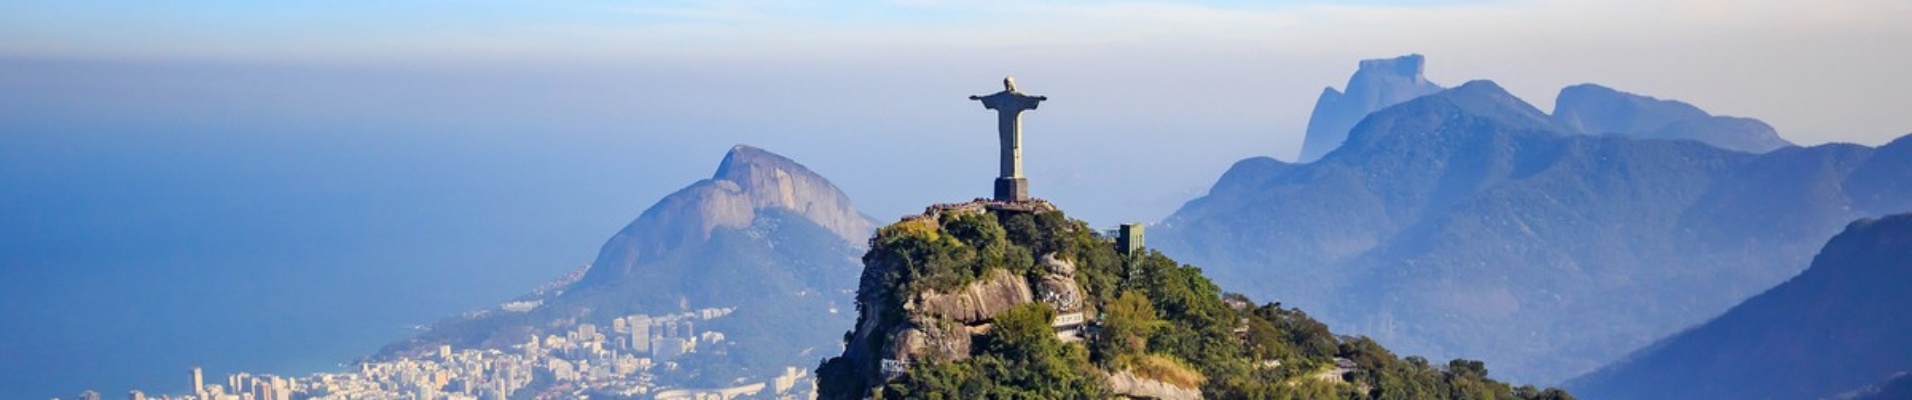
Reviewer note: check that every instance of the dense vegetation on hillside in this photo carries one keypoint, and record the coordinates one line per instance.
(1156, 318)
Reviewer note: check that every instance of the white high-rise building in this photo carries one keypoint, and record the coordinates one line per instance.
(641, 335)
(199, 383)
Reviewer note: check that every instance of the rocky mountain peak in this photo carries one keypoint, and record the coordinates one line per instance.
(768, 180)
(1377, 84)
(748, 182)
(1408, 66)
(1438, 122)
(1486, 97)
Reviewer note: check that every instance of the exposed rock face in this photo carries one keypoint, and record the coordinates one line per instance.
(998, 291)
(943, 325)
(928, 337)
(749, 181)
(1058, 289)
(1127, 385)
(1060, 293)
(1376, 85)
(766, 180)
(1594, 109)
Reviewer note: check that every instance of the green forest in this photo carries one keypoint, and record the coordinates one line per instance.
(1152, 317)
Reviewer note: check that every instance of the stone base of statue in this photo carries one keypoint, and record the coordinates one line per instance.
(1012, 189)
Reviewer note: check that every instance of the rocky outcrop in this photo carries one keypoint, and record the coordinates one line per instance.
(1126, 385)
(928, 337)
(749, 182)
(1376, 85)
(1593, 110)
(895, 330)
(765, 180)
(999, 290)
(1058, 288)
(941, 324)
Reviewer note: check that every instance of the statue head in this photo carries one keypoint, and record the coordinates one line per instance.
(1009, 83)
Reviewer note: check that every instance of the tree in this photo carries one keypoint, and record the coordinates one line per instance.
(1019, 358)
(1127, 324)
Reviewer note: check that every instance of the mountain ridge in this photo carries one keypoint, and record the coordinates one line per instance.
(1591, 109)
(1462, 222)
(1833, 327)
(1585, 109)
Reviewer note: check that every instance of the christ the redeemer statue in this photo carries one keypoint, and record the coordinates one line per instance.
(1009, 105)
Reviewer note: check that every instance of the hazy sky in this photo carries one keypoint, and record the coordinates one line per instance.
(1204, 82)
(158, 156)
(1818, 70)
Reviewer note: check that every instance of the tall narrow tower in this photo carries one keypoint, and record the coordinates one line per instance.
(199, 383)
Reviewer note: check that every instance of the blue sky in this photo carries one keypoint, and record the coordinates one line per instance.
(175, 161)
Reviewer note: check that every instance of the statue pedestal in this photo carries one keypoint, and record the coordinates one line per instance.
(1012, 189)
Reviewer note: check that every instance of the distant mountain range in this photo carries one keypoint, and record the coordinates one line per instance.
(1457, 223)
(1584, 109)
(1468, 223)
(764, 235)
(1839, 325)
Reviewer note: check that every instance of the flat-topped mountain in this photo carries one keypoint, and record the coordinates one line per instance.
(765, 243)
(1377, 84)
(1466, 223)
(992, 299)
(1594, 110)
(1839, 325)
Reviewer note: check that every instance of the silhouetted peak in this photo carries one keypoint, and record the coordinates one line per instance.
(1411, 65)
(1377, 84)
(1480, 88)
(1487, 99)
